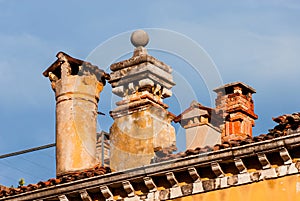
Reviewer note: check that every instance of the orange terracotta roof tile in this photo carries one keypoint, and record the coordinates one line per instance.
(95, 171)
(287, 124)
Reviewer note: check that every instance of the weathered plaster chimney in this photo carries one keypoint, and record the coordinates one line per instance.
(234, 100)
(201, 126)
(142, 122)
(77, 85)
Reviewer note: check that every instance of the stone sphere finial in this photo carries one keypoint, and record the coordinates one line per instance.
(139, 38)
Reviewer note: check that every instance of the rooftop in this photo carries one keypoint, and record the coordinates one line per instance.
(142, 134)
(283, 139)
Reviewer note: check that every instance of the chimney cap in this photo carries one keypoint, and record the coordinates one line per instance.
(59, 61)
(194, 105)
(244, 87)
(76, 65)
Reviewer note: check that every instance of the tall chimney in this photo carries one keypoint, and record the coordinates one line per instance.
(142, 122)
(77, 86)
(235, 102)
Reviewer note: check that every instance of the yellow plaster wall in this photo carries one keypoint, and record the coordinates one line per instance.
(133, 137)
(281, 189)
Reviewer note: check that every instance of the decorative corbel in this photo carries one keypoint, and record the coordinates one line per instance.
(85, 196)
(106, 193)
(284, 154)
(263, 160)
(150, 184)
(240, 165)
(216, 168)
(128, 188)
(194, 174)
(63, 198)
(172, 180)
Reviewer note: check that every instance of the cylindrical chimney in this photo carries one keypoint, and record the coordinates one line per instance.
(77, 87)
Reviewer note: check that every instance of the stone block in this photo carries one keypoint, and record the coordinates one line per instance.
(135, 198)
(268, 173)
(221, 182)
(245, 178)
(175, 192)
(153, 196)
(292, 169)
(282, 170)
(197, 187)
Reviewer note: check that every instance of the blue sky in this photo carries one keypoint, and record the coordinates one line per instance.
(251, 41)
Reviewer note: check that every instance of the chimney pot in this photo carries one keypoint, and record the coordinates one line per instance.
(235, 102)
(77, 96)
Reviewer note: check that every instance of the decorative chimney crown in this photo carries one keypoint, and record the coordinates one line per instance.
(235, 102)
(141, 72)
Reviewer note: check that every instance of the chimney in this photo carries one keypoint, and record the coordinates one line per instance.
(142, 122)
(200, 124)
(235, 102)
(77, 86)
